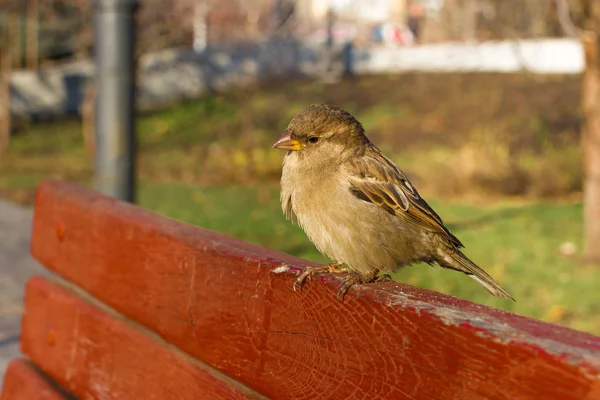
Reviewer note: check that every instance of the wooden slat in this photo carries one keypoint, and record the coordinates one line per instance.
(23, 382)
(230, 304)
(96, 355)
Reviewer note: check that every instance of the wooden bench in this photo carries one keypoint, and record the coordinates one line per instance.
(151, 308)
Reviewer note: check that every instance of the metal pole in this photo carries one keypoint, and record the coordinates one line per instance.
(114, 172)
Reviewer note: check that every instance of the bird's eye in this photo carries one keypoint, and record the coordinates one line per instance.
(313, 139)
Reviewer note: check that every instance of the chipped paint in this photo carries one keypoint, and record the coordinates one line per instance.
(282, 269)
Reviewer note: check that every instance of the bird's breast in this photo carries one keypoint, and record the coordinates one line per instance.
(345, 228)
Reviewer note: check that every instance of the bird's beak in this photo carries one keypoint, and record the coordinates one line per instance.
(286, 142)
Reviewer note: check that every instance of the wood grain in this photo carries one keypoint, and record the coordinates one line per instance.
(23, 382)
(230, 305)
(97, 355)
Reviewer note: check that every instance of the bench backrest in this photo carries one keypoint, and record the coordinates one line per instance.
(151, 308)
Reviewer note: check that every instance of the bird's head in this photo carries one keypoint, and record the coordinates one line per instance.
(322, 131)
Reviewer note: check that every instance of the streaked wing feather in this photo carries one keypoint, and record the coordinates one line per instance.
(380, 182)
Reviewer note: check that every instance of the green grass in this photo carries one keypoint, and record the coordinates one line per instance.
(517, 243)
(500, 149)
(497, 134)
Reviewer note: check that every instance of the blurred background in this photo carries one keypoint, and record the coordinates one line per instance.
(479, 101)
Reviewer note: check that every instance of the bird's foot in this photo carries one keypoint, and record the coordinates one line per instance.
(357, 278)
(309, 272)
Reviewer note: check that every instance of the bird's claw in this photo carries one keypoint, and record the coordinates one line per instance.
(347, 282)
(354, 279)
(383, 278)
(309, 272)
(301, 279)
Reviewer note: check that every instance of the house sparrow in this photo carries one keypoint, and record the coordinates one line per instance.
(358, 207)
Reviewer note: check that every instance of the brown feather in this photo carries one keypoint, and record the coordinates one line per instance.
(386, 186)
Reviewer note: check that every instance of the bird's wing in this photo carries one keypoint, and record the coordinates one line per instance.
(375, 179)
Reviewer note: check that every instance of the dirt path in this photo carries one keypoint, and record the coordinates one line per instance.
(16, 266)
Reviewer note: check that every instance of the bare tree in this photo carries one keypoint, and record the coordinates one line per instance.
(5, 71)
(33, 8)
(591, 129)
(563, 14)
(459, 19)
(590, 137)
(200, 24)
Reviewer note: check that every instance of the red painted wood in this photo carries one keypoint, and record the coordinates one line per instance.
(97, 355)
(24, 382)
(226, 303)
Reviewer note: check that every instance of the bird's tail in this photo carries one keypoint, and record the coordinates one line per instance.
(456, 260)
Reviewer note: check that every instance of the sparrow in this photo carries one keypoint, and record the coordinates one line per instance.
(357, 207)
